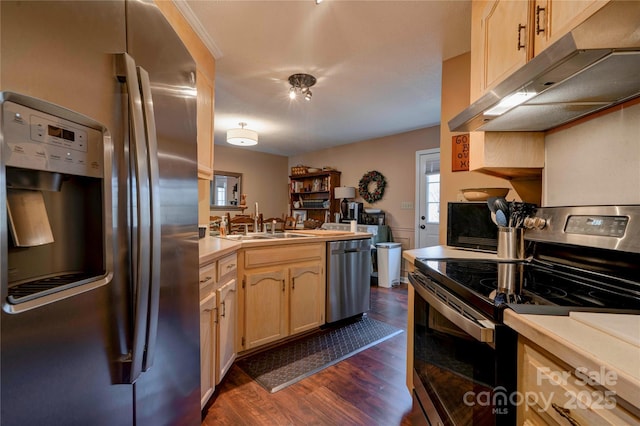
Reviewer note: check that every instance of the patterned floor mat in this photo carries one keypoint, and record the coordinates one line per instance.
(285, 365)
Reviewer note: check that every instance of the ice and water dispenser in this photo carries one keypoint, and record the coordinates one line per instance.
(52, 178)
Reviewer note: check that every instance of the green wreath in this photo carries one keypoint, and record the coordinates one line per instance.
(371, 196)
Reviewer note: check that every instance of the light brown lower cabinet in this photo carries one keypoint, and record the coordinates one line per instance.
(227, 312)
(551, 392)
(208, 347)
(218, 311)
(283, 292)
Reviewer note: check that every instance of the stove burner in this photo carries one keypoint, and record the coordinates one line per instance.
(489, 283)
(546, 291)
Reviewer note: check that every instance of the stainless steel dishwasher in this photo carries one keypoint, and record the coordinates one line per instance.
(348, 283)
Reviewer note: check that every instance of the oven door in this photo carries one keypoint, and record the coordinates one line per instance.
(464, 364)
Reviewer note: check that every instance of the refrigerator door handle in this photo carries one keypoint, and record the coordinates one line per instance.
(154, 191)
(140, 261)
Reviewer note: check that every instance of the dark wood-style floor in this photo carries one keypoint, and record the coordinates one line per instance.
(366, 389)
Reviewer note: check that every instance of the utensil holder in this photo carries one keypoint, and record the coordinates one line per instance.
(510, 243)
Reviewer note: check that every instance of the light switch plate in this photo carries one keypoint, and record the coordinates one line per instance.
(406, 205)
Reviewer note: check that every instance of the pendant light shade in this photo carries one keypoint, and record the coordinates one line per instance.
(242, 136)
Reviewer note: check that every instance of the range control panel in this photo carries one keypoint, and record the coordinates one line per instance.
(40, 141)
(613, 227)
(609, 226)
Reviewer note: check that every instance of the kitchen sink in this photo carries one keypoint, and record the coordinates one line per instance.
(264, 236)
(287, 235)
(248, 237)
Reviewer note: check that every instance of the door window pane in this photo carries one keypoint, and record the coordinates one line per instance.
(433, 197)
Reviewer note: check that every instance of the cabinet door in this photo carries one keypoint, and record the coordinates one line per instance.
(227, 299)
(554, 18)
(504, 39)
(555, 394)
(307, 297)
(207, 347)
(205, 126)
(265, 295)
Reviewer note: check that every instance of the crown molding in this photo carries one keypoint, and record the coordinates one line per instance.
(197, 26)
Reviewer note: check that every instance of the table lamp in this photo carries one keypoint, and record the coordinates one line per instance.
(344, 192)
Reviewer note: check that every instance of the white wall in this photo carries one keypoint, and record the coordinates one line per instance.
(594, 162)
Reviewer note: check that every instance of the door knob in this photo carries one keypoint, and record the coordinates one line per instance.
(422, 226)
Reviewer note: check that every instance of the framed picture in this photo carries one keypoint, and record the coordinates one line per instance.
(300, 215)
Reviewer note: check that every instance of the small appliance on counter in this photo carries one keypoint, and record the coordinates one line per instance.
(469, 226)
(354, 212)
(373, 217)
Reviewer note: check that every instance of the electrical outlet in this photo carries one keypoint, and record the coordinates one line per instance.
(406, 205)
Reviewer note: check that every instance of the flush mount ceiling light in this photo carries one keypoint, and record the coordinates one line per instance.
(242, 136)
(300, 84)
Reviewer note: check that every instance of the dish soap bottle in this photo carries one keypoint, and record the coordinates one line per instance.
(223, 227)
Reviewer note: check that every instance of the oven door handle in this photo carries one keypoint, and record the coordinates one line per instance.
(482, 330)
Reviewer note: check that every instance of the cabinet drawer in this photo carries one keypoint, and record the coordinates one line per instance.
(227, 267)
(207, 279)
(559, 394)
(257, 257)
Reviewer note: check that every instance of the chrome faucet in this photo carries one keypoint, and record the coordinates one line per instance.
(255, 219)
(273, 227)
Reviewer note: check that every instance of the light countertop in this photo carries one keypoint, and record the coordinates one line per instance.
(446, 252)
(212, 248)
(593, 347)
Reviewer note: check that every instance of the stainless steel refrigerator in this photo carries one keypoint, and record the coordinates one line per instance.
(98, 235)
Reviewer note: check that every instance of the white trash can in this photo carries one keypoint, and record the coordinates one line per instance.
(388, 264)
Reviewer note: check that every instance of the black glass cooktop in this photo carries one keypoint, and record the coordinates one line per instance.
(527, 287)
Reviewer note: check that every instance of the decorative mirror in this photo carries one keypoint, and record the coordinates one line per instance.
(226, 188)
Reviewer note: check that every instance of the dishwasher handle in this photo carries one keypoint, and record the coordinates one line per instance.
(354, 250)
(349, 246)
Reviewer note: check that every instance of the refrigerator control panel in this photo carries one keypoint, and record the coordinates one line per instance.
(40, 141)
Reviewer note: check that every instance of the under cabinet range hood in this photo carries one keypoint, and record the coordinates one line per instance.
(595, 66)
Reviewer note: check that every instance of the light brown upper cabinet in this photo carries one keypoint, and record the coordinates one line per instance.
(506, 34)
(553, 18)
(503, 40)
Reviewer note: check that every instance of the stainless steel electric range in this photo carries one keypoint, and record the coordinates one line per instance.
(578, 259)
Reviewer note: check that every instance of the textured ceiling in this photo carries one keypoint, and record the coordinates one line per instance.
(378, 66)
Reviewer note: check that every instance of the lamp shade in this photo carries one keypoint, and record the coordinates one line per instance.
(344, 192)
(242, 136)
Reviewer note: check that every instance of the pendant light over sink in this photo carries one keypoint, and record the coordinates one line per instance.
(242, 136)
